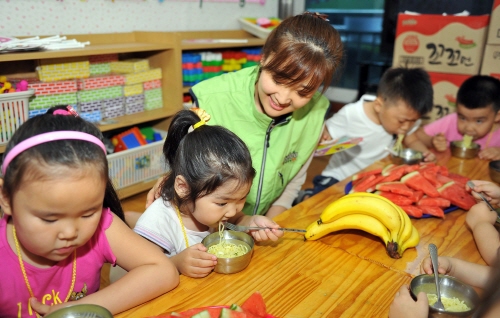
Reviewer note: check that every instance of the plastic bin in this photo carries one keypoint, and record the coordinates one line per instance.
(137, 165)
(13, 112)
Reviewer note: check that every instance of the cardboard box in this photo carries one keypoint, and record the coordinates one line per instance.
(494, 29)
(491, 61)
(437, 43)
(445, 88)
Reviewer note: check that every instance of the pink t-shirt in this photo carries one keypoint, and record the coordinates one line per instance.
(448, 126)
(51, 285)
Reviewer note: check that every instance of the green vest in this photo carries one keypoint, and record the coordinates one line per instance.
(282, 149)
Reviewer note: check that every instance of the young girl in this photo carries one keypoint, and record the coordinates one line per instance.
(58, 226)
(276, 109)
(209, 180)
(476, 275)
(477, 115)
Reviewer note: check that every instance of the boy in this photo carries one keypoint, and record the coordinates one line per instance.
(403, 96)
(477, 115)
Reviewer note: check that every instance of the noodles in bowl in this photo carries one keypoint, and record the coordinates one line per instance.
(229, 265)
(227, 248)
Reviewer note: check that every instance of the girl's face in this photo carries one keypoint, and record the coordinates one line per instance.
(476, 122)
(56, 215)
(222, 204)
(276, 99)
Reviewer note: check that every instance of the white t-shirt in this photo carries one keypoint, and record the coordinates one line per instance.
(352, 121)
(160, 224)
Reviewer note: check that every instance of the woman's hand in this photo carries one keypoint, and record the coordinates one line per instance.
(267, 234)
(439, 142)
(195, 261)
(154, 193)
(403, 305)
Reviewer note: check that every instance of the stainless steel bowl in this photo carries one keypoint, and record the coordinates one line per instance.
(407, 156)
(234, 264)
(81, 311)
(458, 150)
(494, 167)
(450, 287)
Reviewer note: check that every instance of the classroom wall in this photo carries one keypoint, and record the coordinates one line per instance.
(50, 17)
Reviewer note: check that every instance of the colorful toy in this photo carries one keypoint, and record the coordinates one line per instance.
(6, 87)
(128, 139)
(22, 86)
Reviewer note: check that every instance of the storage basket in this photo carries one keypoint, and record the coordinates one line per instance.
(13, 112)
(137, 165)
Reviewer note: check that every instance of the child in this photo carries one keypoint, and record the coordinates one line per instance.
(481, 220)
(209, 179)
(271, 107)
(476, 275)
(477, 115)
(58, 226)
(403, 96)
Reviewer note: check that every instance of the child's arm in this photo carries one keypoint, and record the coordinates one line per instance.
(195, 261)
(438, 141)
(481, 220)
(258, 220)
(491, 153)
(470, 273)
(150, 272)
(412, 141)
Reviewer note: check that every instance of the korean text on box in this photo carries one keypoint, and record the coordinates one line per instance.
(437, 43)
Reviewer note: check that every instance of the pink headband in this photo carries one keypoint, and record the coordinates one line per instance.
(48, 137)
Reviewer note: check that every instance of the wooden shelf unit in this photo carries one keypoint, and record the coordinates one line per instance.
(162, 49)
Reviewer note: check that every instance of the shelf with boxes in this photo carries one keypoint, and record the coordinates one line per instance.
(157, 59)
(204, 53)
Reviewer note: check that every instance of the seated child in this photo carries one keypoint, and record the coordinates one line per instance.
(481, 220)
(209, 179)
(53, 240)
(477, 116)
(479, 276)
(403, 96)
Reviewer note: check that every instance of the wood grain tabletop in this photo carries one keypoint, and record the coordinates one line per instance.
(344, 274)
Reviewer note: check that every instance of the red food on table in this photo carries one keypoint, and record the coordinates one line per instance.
(457, 195)
(412, 211)
(395, 187)
(360, 175)
(396, 198)
(416, 181)
(417, 195)
(440, 202)
(255, 305)
(432, 210)
(458, 178)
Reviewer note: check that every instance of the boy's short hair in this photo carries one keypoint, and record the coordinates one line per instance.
(480, 91)
(412, 85)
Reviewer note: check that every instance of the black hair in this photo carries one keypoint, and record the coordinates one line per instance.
(411, 85)
(70, 153)
(480, 91)
(303, 47)
(207, 157)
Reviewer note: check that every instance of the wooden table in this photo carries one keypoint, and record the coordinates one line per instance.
(345, 274)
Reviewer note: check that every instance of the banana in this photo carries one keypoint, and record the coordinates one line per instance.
(368, 204)
(406, 232)
(411, 242)
(354, 221)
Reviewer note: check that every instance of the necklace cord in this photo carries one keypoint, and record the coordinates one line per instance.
(25, 276)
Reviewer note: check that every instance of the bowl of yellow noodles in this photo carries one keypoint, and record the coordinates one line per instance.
(465, 149)
(458, 298)
(233, 250)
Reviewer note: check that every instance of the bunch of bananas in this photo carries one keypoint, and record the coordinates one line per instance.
(371, 213)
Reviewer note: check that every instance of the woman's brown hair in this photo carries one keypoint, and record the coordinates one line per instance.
(303, 47)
